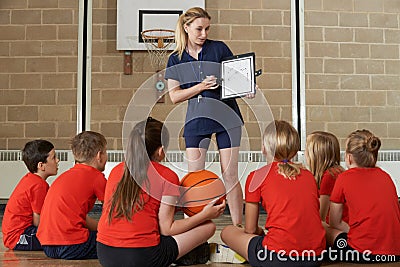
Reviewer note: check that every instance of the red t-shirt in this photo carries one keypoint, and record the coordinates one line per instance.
(292, 206)
(26, 199)
(71, 196)
(374, 210)
(327, 183)
(143, 230)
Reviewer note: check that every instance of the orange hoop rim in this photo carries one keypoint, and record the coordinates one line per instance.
(145, 34)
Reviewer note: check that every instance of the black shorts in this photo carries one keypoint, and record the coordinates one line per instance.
(28, 240)
(342, 251)
(261, 256)
(226, 139)
(83, 251)
(161, 255)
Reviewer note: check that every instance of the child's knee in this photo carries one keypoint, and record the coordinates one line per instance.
(226, 232)
(210, 228)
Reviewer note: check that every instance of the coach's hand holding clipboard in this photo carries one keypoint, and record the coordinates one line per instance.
(238, 76)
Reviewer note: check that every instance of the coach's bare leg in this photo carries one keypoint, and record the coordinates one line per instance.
(229, 168)
(196, 158)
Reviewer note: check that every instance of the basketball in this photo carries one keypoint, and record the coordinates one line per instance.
(198, 189)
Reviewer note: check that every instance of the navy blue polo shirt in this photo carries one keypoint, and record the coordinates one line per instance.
(208, 114)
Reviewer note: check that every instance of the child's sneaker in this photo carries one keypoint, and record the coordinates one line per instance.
(199, 255)
(222, 253)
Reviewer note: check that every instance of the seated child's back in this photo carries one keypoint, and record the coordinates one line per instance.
(22, 213)
(66, 231)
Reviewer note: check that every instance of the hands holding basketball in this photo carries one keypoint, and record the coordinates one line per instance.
(212, 211)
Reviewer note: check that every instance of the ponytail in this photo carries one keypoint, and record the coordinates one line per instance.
(282, 140)
(144, 140)
(289, 169)
(180, 37)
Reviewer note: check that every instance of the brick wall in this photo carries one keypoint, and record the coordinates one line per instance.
(352, 66)
(244, 25)
(38, 63)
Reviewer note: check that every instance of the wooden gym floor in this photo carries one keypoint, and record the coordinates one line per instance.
(10, 258)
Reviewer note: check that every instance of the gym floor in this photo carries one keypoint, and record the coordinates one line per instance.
(12, 258)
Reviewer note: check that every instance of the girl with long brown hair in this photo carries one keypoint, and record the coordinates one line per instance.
(137, 226)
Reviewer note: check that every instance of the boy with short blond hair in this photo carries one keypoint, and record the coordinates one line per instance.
(66, 231)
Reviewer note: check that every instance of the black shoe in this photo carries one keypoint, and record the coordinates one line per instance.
(198, 255)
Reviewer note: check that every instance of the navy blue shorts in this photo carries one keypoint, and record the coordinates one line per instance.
(260, 256)
(28, 240)
(82, 251)
(226, 139)
(161, 255)
(342, 251)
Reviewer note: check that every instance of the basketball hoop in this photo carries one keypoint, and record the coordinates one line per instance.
(158, 42)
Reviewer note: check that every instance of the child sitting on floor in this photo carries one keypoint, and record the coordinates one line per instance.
(373, 231)
(22, 213)
(137, 226)
(323, 159)
(289, 195)
(66, 231)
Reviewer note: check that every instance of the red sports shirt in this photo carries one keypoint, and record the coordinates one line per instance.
(327, 183)
(293, 220)
(71, 196)
(143, 230)
(374, 211)
(26, 199)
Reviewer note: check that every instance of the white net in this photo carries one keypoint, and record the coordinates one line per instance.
(158, 42)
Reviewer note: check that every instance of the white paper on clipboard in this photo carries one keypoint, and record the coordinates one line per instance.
(238, 76)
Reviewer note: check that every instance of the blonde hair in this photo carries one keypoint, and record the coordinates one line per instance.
(282, 140)
(323, 153)
(363, 146)
(181, 37)
(86, 145)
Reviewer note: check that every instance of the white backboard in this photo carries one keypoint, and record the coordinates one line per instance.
(135, 16)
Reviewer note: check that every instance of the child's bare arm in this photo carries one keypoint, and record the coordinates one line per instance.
(251, 219)
(91, 223)
(36, 219)
(324, 206)
(170, 226)
(335, 217)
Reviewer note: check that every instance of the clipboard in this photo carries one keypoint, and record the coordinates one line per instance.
(238, 75)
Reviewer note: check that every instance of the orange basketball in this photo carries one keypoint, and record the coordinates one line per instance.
(198, 189)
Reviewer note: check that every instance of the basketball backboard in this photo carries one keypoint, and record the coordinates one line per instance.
(135, 16)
